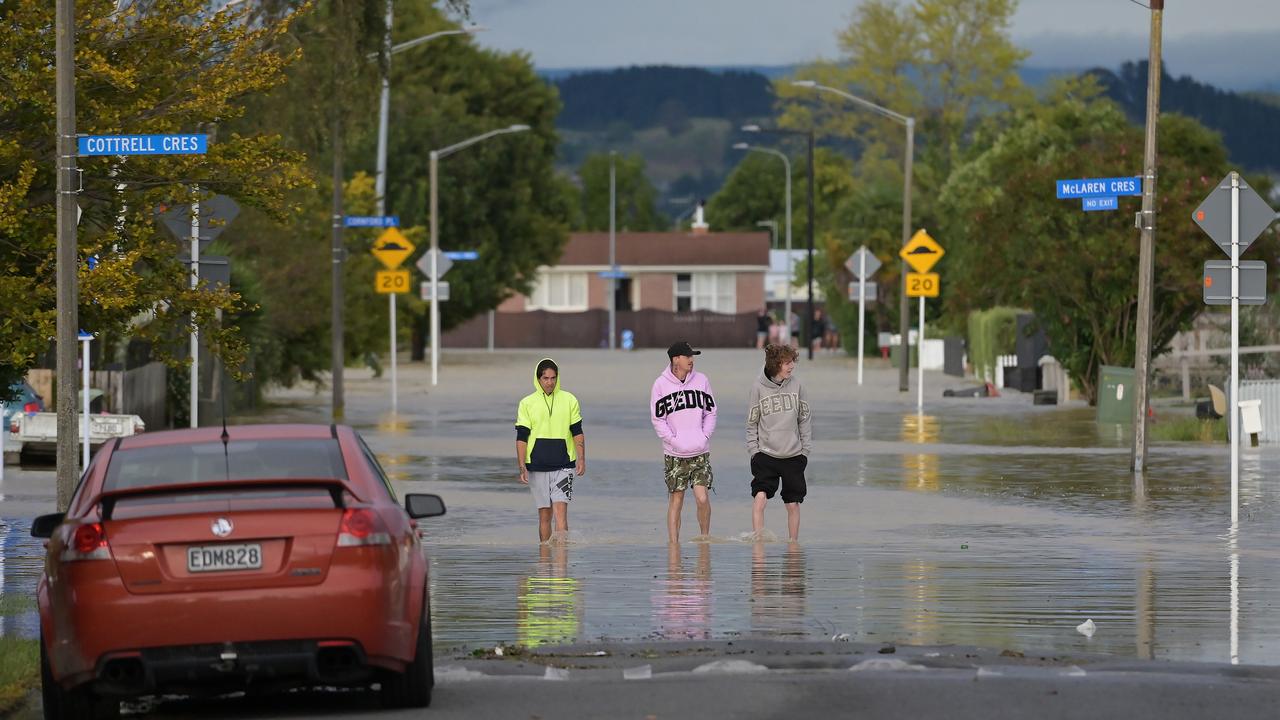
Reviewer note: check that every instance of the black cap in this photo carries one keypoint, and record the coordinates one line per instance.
(681, 348)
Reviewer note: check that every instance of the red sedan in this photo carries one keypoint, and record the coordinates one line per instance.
(211, 560)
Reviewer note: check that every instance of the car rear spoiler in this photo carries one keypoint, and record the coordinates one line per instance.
(337, 489)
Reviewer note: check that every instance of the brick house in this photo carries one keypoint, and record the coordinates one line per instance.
(706, 287)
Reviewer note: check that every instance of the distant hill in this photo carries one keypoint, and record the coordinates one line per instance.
(683, 120)
(1247, 122)
(644, 97)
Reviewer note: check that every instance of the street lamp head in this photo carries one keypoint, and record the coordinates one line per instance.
(474, 29)
(517, 128)
(741, 146)
(804, 83)
(750, 128)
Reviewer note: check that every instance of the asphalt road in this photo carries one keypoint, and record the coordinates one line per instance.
(773, 679)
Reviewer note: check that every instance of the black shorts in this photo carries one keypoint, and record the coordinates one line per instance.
(767, 471)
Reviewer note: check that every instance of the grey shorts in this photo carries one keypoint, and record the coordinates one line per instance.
(549, 487)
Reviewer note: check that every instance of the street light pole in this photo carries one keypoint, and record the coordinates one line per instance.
(435, 157)
(786, 163)
(380, 181)
(613, 259)
(1147, 250)
(904, 325)
(807, 324)
(808, 321)
(67, 292)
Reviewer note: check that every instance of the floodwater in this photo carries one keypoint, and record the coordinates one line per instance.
(997, 528)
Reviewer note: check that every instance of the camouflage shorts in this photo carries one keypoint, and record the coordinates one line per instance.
(683, 473)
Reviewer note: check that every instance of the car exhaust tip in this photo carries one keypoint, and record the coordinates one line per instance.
(338, 663)
(123, 674)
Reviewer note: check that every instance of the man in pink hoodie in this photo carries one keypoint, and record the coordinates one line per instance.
(683, 413)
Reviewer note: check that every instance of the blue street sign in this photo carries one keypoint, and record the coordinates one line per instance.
(613, 274)
(374, 221)
(184, 144)
(462, 254)
(1100, 203)
(84, 336)
(1099, 187)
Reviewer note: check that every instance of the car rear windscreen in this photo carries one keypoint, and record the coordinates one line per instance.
(162, 465)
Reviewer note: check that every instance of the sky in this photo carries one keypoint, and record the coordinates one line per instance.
(1228, 43)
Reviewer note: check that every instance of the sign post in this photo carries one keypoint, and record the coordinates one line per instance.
(391, 248)
(921, 253)
(85, 338)
(863, 264)
(1234, 215)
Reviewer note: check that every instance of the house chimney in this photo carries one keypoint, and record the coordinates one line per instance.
(700, 226)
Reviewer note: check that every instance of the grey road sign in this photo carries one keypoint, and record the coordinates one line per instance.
(854, 261)
(869, 290)
(214, 268)
(1214, 215)
(216, 214)
(1217, 282)
(424, 290)
(443, 263)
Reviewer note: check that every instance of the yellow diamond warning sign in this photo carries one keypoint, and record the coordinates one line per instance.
(392, 247)
(921, 252)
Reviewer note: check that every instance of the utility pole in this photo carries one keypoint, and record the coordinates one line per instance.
(339, 255)
(1146, 253)
(613, 256)
(68, 295)
(904, 324)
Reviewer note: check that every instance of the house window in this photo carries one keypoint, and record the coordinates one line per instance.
(559, 292)
(717, 292)
(684, 292)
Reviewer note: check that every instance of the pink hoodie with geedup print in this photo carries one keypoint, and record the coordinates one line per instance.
(683, 413)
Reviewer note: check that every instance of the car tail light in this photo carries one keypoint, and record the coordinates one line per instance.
(88, 542)
(31, 408)
(13, 425)
(362, 526)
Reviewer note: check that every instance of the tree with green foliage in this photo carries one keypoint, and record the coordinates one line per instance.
(500, 197)
(162, 66)
(637, 209)
(946, 63)
(1011, 242)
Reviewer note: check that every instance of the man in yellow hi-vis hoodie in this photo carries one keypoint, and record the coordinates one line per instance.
(550, 447)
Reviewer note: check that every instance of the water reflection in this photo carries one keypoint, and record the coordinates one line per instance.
(779, 591)
(682, 601)
(920, 471)
(1144, 608)
(548, 605)
(21, 559)
(920, 607)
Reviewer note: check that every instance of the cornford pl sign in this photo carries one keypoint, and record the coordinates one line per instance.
(181, 144)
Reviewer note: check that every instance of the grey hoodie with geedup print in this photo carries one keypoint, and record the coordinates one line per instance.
(778, 418)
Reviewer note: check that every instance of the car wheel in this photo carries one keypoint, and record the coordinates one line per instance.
(74, 704)
(412, 688)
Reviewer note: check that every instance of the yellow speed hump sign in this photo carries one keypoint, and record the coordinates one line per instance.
(391, 248)
(391, 281)
(923, 284)
(921, 253)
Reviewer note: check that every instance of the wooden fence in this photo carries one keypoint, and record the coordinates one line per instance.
(650, 329)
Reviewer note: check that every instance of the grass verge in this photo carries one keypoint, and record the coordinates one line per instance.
(19, 671)
(1188, 429)
(19, 657)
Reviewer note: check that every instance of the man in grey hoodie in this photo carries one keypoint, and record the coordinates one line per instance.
(778, 437)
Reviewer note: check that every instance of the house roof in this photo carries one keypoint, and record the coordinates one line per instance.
(668, 248)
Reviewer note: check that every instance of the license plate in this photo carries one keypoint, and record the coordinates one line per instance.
(215, 558)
